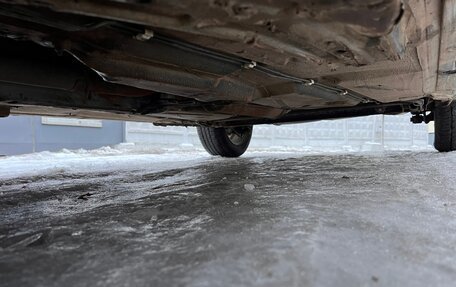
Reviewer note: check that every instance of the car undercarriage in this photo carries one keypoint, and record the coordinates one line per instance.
(226, 63)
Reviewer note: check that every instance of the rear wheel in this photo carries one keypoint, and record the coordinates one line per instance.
(445, 126)
(226, 142)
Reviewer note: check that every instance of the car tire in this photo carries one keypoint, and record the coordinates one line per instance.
(225, 142)
(445, 126)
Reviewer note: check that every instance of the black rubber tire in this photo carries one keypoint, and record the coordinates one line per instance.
(216, 141)
(445, 126)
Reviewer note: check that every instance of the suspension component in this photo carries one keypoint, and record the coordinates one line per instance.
(425, 115)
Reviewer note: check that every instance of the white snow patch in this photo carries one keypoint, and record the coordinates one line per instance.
(77, 233)
(120, 158)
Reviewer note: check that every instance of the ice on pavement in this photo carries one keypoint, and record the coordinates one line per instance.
(249, 186)
(178, 217)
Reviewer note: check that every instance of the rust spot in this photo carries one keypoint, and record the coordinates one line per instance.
(329, 80)
(243, 11)
(185, 18)
(219, 3)
(269, 24)
(250, 40)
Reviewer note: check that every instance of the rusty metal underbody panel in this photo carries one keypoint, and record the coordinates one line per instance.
(220, 61)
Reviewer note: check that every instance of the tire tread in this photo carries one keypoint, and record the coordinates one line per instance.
(216, 142)
(445, 126)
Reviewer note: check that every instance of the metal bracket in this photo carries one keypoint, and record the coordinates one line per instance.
(421, 115)
(147, 35)
(250, 65)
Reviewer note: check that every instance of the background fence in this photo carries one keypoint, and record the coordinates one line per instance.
(364, 133)
(25, 134)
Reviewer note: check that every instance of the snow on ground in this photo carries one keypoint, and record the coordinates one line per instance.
(102, 159)
(129, 156)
